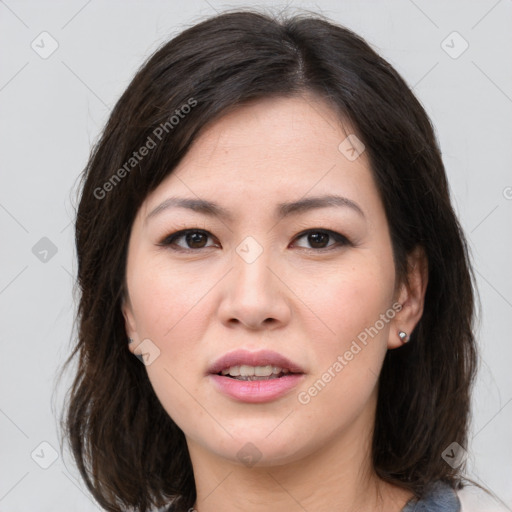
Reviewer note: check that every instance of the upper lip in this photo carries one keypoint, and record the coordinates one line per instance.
(259, 358)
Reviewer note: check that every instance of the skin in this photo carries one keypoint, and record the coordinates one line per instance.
(296, 298)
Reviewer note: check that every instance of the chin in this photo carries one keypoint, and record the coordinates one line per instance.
(259, 445)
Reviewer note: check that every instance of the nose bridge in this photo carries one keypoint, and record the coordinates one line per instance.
(252, 276)
(254, 293)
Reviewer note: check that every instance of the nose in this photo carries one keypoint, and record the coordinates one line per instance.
(255, 295)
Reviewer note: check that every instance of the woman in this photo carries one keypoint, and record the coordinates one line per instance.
(266, 224)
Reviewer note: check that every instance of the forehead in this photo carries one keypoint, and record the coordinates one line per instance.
(273, 129)
(270, 151)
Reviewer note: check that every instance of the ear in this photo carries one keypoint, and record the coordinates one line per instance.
(129, 322)
(411, 296)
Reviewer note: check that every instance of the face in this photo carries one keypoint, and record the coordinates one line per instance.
(312, 283)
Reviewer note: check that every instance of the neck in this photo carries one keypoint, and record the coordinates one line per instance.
(337, 476)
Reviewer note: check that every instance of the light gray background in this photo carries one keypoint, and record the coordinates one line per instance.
(52, 110)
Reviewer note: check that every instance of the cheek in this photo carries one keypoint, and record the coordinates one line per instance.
(351, 300)
(168, 311)
(167, 308)
(166, 301)
(356, 305)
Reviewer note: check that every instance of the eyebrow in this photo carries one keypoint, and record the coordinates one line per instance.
(283, 209)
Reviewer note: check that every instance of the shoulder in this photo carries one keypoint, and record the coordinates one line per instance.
(439, 497)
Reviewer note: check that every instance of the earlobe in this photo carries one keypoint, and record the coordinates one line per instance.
(129, 321)
(411, 297)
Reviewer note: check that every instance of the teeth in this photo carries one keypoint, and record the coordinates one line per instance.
(246, 371)
(251, 371)
(263, 371)
(234, 371)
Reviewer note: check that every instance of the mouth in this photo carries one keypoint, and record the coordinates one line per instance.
(264, 363)
(250, 373)
(255, 377)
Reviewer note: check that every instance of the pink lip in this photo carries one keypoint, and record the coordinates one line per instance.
(256, 391)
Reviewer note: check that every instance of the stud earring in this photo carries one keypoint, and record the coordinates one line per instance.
(130, 340)
(403, 336)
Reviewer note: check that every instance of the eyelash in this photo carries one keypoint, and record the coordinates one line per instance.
(340, 240)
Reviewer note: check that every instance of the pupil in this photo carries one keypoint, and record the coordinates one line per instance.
(314, 238)
(194, 238)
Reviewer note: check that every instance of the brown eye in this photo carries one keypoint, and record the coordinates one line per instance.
(196, 240)
(319, 239)
(193, 239)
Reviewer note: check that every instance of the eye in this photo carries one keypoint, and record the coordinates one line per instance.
(193, 238)
(318, 238)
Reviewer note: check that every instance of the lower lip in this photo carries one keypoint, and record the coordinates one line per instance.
(256, 391)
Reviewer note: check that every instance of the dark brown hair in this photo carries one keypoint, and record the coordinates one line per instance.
(127, 448)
